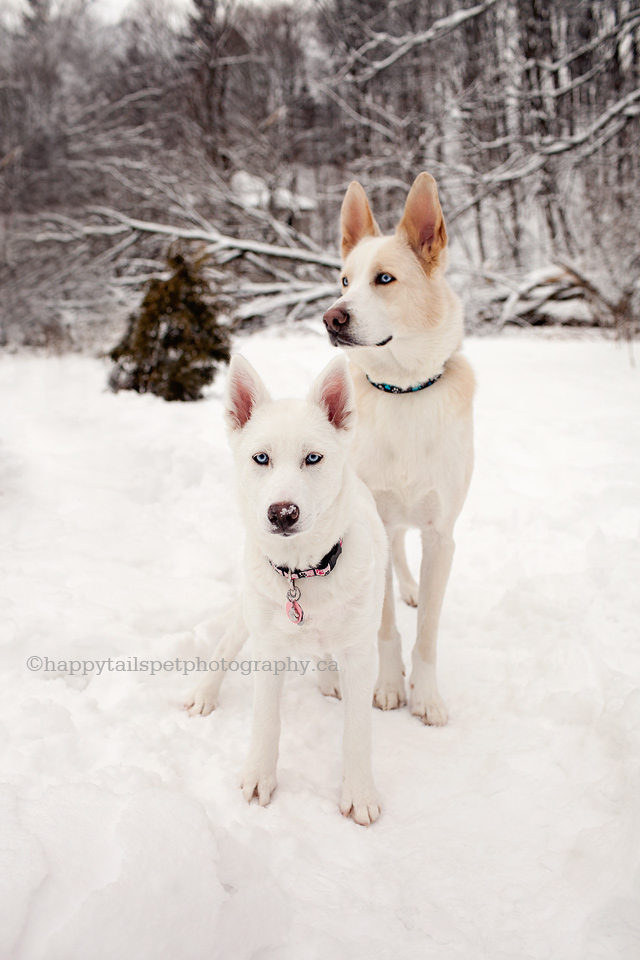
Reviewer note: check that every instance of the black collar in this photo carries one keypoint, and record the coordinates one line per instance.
(324, 567)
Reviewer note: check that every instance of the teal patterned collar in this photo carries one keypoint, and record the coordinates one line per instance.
(389, 388)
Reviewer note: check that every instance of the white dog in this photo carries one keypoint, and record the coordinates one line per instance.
(401, 324)
(315, 559)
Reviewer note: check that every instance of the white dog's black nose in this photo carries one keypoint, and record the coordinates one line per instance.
(283, 515)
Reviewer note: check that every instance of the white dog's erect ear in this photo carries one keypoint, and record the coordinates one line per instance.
(245, 391)
(422, 222)
(333, 391)
(356, 219)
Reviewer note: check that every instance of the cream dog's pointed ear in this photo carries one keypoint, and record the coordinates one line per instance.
(333, 391)
(423, 223)
(356, 219)
(245, 391)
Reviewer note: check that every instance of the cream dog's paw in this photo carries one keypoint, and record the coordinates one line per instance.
(409, 591)
(426, 702)
(389, 689)
(360, 801)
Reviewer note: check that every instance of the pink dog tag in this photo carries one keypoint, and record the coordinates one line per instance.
(295, 612)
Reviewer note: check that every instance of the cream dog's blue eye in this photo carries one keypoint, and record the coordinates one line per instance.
(313, 458)
(345, 281)
(262, 459)
(384, 278)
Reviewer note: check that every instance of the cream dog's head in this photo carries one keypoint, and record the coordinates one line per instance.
(393, 287)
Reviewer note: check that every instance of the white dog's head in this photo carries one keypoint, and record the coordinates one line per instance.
(290, 454)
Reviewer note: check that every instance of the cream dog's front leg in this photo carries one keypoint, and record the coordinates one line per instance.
(437, 557)
(359, 796)
(407, 586)
(259, 774)
(389, 691)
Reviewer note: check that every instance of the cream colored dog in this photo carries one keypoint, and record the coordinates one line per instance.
(401, 325)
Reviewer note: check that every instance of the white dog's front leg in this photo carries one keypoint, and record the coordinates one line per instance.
(359, 797)
(437, 557)
(389, 691)
(204, 697)
(328, 680)
(259, 774)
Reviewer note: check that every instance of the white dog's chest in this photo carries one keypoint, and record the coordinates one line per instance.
(323, 627)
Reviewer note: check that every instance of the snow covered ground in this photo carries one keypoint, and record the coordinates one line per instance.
(512, 833)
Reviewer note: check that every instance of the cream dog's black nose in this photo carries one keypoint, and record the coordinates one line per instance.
(283, 515)
(335, 319)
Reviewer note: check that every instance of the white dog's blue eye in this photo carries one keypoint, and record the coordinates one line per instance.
(313, 458)
(262, 459)
(345, 281)
(384, 278)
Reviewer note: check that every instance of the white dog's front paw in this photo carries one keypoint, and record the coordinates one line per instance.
(258, 782)
(360, 801)
(203, 698)
(329, 683)
(426, 702)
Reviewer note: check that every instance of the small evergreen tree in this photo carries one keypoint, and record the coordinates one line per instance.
(172, 345)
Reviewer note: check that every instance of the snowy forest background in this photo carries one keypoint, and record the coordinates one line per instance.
(513, 832)
(238, 128)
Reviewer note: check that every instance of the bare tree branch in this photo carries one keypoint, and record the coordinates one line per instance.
(404, 44)
(217, 241)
